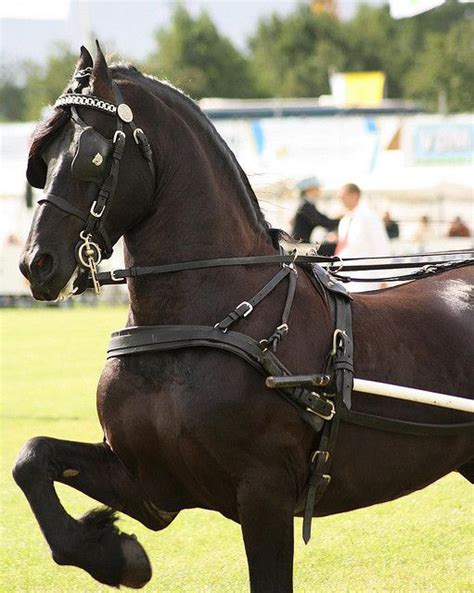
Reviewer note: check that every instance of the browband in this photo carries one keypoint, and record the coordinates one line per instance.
(86, 101)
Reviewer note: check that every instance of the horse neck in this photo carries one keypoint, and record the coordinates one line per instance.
(203, 211)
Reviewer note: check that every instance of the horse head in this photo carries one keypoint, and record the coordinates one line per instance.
(78, 155)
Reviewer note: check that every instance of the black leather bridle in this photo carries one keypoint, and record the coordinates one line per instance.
(97, 160)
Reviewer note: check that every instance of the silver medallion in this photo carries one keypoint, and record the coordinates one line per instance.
(125, 113)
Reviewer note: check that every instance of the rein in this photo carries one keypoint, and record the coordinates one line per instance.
(336, 266)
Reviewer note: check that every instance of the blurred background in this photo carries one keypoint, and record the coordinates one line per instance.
(379, 94)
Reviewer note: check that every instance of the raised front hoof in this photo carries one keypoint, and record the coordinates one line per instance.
(137, 568)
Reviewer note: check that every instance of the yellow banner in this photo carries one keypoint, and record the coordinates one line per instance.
(358, 88)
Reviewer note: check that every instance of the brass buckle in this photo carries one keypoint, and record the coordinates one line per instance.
(329, 416)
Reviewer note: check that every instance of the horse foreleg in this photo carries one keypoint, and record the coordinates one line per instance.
(266, 517)
(92, 543)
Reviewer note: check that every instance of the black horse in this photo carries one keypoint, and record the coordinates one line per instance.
(197, 427)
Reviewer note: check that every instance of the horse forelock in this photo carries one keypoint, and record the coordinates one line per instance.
(173, 97)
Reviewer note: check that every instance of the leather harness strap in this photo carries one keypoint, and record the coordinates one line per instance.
(246, 307)
(120, 276)
(135, 340)
(63, 205)
(322, 408)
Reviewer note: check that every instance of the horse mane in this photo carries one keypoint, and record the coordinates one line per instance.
(171, 94)
(55, 119)
(45, 131)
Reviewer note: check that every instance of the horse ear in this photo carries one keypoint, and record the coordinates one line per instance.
(101, 80)
(85, 61)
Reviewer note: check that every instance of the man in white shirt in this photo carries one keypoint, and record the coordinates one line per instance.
(361, 231)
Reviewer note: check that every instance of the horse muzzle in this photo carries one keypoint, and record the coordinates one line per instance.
(48, 279)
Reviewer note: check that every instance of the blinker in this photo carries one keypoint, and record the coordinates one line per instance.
(91, 155)
(36, 172)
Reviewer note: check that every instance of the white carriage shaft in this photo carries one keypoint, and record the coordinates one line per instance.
(414, 395)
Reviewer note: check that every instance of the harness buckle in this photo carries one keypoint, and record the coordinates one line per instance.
(118, 134)
(93, 211)
(316, 454)
(247, 312)
(338, 334)
(341, 265)
(329, 416)
(137, 131)
(114, 277)
(291, 265)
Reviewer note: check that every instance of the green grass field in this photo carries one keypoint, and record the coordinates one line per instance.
(51, 360)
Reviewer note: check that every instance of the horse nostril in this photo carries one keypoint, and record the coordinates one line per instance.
(42, 265)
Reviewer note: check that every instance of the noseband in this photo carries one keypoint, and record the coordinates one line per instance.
(94, 156)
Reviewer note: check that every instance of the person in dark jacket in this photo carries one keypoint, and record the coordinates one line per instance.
(392, 228)
(308, 216)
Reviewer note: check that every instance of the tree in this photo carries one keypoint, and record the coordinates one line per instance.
(291, 55)
(194, 56)
(446, 65)
(45, 84)
(379, 42)
(12, 98)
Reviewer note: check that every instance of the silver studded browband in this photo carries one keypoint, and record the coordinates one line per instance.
(87, 101)
(123, 110)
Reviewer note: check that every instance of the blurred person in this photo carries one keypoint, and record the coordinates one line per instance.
(458, 228)
(423, 231)
(361, 231)
(392, 228)
(308, 217)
